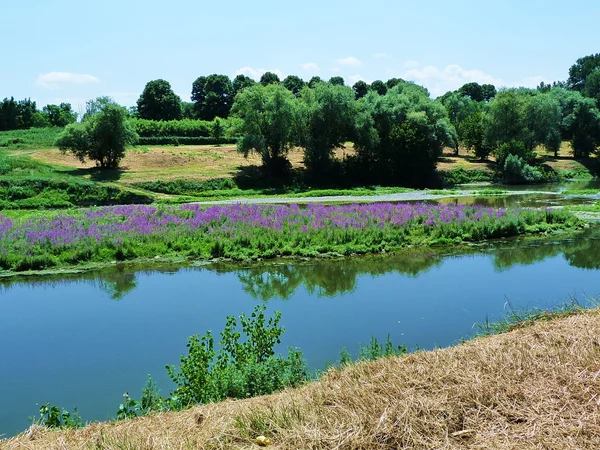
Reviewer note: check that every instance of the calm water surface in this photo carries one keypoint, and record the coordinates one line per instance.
(84, 340)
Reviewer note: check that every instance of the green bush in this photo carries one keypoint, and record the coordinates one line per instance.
(33, 193)
(184, 187)
(180, 128)
(179, 140)
(462, 176)
(517, 171)
(241, 367)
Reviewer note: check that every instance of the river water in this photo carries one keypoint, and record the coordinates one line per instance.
(83, 340)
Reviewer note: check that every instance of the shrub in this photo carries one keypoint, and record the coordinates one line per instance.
(182, 140)
(240, 368)
(516, 171)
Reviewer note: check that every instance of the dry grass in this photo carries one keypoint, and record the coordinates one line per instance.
(536, 387)
(194, 162)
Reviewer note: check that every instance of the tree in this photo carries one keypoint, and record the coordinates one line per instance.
(488, 92)
(379, 87)
(241, 82)
(60, 115)
(360, 89)
(294, 84)
(314, 81)
(101, 137)
(327, 117)
(97, 105)
(478, 92)
(269, 78)
(592, 86)
(213, 96)
(582, 68)
(584, 125)
(394, 82)
(472, 90)
(337, 81)
(399, 136)
(270, 118)
(18, 115)
(544, 121)
(580, 120)
(159, 102)
(459, 107)
(473, 134)
(188, 110)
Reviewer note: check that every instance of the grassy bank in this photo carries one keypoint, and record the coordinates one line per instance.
(121, 233)
(532, 387)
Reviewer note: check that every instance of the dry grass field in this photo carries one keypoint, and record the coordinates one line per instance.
(536, 387)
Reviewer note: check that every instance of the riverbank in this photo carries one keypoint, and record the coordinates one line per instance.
(533, 387)
(249, 232)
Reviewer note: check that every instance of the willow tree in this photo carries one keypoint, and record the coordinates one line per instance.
(401, 135)
(269, 124)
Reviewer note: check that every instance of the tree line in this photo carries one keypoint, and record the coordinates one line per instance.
(24, 114)
(397, 130)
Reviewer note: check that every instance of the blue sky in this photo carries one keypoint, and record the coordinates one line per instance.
(66, 50)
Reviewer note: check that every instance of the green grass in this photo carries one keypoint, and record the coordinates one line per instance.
(29, 184)
(582, 192)
(491, 192)
(524, 317)
(33, 138)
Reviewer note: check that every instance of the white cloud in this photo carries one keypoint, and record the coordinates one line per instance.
(440, 81)
(411, 64)
(381, 55)
(310, 67)
(53, 80)
(354, 78)
(256, 73)
(350, 61)
(531, 82)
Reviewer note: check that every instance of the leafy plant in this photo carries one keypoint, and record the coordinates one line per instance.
(244, 366)
(51, 416)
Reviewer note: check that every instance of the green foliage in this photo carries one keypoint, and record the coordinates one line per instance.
(270, 116)
(52, 416)
(29, 139)
(217, 131)
(294, 84)
(337, 81)
(150, 402)
(379, 87)
(244, 366)
(326, 121)
(580, 121)
(517, 171)
(159, 102)
(101, 137)
(212, 96)
(18, 115)
(178, 187)
(179, 128)
(360, 89)
(515, 148)
(34, 193)
(268, 78)
(401, 135)
(463, 176)
(60, 115)
(472, 133)
(477, 92)
(314, 81)
(581, 70)
(241, 82)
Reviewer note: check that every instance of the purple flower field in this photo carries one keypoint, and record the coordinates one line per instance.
(247, 226)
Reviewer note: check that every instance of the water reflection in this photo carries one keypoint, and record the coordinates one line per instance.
(329, 278)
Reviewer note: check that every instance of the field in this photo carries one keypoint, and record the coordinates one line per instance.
(533, 387)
